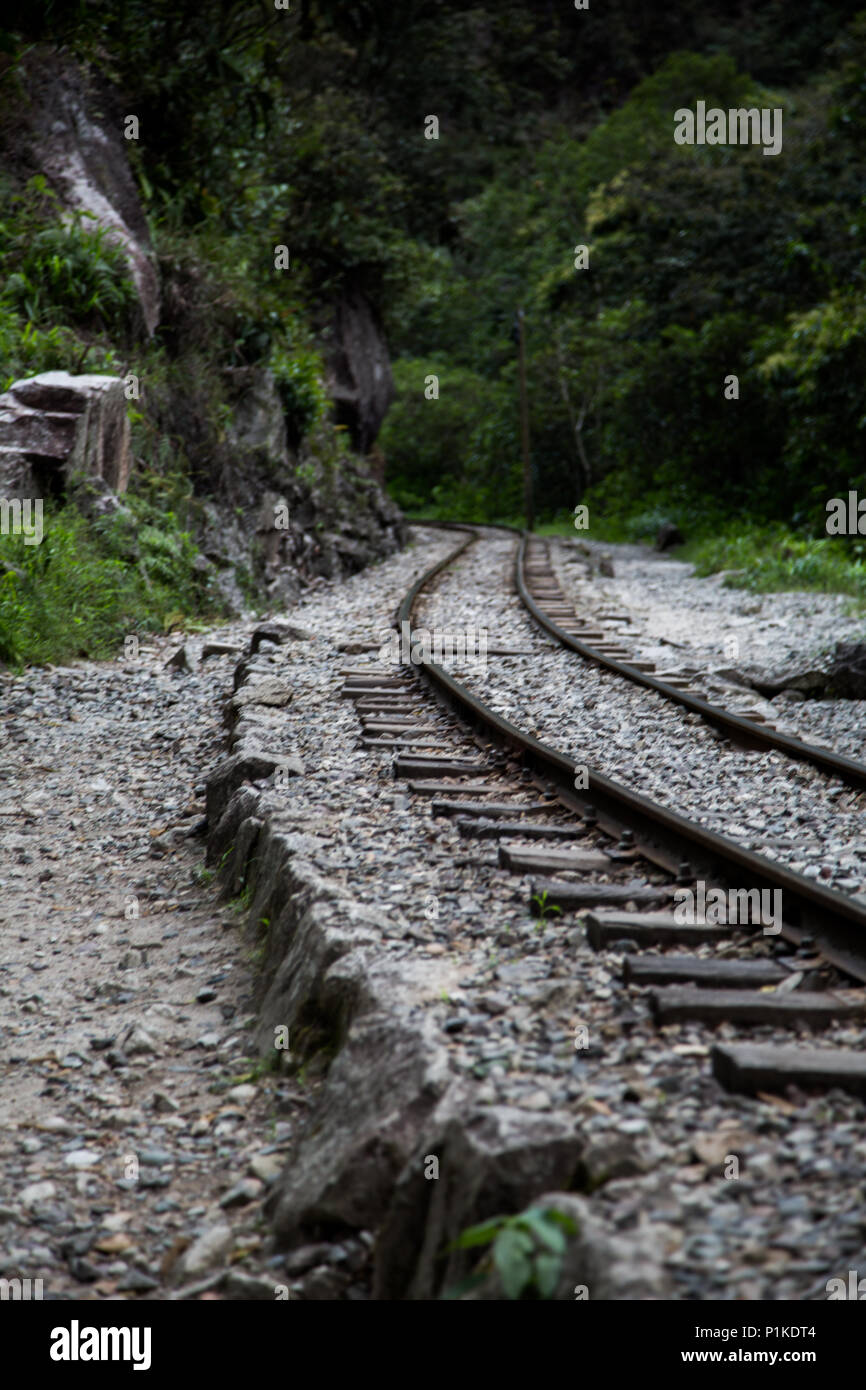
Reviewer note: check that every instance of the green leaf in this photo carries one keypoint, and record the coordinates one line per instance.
(562, 1219)
(512, 1262)
(547, 1268)
(546, 1231)
(481, 1234)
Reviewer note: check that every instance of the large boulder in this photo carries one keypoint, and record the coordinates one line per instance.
(360, 384)
(72, 131)
(339, 517)
(846, 679)
(805, 677)
(668, 535)
(57, 430)
(490, 1160)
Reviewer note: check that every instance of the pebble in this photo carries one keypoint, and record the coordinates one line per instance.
(207, 1249)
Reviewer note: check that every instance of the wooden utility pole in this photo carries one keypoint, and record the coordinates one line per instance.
(528, 505)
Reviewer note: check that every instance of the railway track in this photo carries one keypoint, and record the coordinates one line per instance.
(622, 859)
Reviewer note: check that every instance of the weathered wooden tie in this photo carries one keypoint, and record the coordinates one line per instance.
(711, 971)
(437, 767)
(767, 1068)
(491, 808)
(568, 897)
(479, 829)
(649, 929)
(686, 1004)
(525, 861)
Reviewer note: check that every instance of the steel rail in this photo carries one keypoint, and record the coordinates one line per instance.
(837, 922)
(742, 730)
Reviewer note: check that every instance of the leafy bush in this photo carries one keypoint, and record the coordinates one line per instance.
(773, 557)
(89, 584)
(70, 272)
(526, 1252)
(299, 376)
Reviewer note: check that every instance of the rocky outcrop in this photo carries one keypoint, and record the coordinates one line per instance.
(361, 383)
(58, 430)
(843, 677)
(304, 516)
(66, 135)
(846, 679)
(668, 535)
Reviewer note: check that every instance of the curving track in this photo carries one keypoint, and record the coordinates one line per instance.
(625, 830)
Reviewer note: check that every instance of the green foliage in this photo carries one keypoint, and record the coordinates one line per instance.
(772, 557)
(526, 1252)
(704, 262)
(460, 451)
(26, 350)
(68, 273)
(87, 585)
(544, 907)
(299, 378)
(66, 301)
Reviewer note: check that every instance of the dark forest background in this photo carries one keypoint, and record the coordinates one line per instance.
(261, 126)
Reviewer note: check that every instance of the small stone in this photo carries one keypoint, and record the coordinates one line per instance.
(113, 1244)
(242, 1095)
(269, 691)
(179, 660)
(163, 1103)
(297, 1261)
(243, 1192)
(206, 1250)
(55, 1124)
(136, 1281)
(496, 1003)
(205, 995)
(138, 1042)
(113, 1221)
(325, 1283)
(266, 1167)
(538, 1100)
(81, 1158)
(155, 1158)
(237, 1285)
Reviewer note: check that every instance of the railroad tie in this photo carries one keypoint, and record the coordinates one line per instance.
(569, 897)
(480, 829)
(686, 1004)
(766, 1068)
(711, 972)
(528, 861)
(650, 929)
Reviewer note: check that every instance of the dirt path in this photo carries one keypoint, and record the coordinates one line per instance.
(125, 987)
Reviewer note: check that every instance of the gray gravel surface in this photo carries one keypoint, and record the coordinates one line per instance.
(124, 1037)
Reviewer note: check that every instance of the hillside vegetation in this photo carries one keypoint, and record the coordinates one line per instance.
(307, 127)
